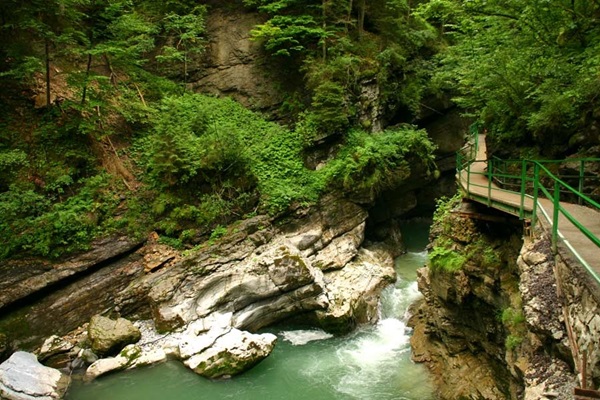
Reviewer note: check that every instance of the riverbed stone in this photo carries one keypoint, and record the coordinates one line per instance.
(127, 357)
(231, 354)
(22, 377)
(56, 352)
(108, 336)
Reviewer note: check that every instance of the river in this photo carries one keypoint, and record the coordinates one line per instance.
(371, 363)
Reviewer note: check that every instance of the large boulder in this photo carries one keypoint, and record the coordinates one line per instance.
(109, 336)
(209, 346)
(131, 356)
(22, 377)
(354, 291)
(264, 286)
(231, 354)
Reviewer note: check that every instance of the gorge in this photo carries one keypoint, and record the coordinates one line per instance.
(230, 188)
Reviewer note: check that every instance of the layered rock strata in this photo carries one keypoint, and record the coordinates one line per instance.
(310, 267)
(493, 330)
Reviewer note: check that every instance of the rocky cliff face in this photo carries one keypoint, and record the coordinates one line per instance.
(491, 329)
(311, 265)
(234, 65)
(580, 300)
(262, 274)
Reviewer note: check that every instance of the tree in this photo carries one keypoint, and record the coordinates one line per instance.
(529, 70)
(52, 23)
(187, 31)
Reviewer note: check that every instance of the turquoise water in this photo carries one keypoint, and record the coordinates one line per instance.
(371, 363)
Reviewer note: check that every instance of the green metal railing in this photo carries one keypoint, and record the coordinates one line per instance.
(531, 180)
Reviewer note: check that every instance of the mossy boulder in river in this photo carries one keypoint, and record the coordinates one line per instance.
(231, 354)
(109, 336)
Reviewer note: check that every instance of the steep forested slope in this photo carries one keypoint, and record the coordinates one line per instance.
(96, 141)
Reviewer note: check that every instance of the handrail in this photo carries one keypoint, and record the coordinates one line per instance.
(528, 177)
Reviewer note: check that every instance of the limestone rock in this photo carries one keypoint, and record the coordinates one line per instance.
(72, 304)
(234, 64)
(231, 354)
(157, 255)
(87, 356)
(354, 291)
(109, 336)
(341, 250)
(261, 288)
(20, 278)
(127, 357)
(22, 377)
(56, 352)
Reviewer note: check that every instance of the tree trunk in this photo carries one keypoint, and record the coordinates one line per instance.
(361, 18)
(324, 16)
(349, 21)
(47, 54)
(185, 70)
(87, 75)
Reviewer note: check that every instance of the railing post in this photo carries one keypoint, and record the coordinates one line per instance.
(556, 204)
(536, 188)
(490, 167)
(458, 171)
(581, 174)
(523, 176)
(469, 163)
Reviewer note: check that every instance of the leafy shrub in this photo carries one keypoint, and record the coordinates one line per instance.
(513, 341)
(444, 257)
(512, 318)
(32, 223)
(213, 160)
(375, 162)
(218, 233)
(442, 210)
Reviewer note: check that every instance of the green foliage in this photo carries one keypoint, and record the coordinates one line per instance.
(512, 318)
(196, 162)
(444, 205)
(513, 341)
(450, 252)
(31, 223)
(217, 233)
(338, 55)
(284, 35)
(185, 145)
(187, 32)
(172, 242)
(377, 162)
(514, 321)
(528, 70)
(446, 258)
(213, 160)
(11, 161)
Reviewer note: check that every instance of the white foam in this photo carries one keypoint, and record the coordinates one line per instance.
(301, 337)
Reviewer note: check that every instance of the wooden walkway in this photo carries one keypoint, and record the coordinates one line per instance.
(474, 183)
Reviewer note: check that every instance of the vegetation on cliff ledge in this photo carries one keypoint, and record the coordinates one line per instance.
(94, 140)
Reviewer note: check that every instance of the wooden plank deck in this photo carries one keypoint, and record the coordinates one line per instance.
(473, 182)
